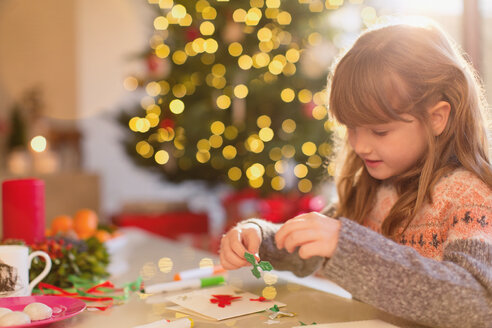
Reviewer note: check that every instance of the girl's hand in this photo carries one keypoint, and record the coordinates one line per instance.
(240, 239)
(314, 234)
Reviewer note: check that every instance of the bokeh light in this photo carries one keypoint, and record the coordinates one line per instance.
(38, 144)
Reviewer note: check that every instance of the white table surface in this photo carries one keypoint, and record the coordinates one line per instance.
(139, 253)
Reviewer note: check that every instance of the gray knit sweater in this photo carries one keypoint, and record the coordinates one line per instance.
(454, 292)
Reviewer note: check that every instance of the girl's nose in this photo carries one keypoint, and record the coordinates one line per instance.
(360, 143)
(362, 148)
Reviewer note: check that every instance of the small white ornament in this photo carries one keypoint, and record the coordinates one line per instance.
(14, 318)
(4, 311)
(38, 311)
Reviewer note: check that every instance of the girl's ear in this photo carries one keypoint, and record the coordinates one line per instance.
(438, 115)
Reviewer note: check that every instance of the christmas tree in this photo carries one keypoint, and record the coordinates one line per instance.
(232, 94)
(17, 138)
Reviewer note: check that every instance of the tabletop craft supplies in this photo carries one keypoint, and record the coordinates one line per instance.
(101, 296)
(79, 268)
(72, 267)
(220, 303)
(217, 300)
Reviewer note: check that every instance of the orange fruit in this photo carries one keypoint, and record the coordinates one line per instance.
(85, 223)
(102, 235)
(61, 224)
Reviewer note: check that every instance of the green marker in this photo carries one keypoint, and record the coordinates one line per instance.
(184, 284)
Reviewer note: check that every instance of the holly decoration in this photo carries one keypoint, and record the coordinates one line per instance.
(264, 265)
(86, 259)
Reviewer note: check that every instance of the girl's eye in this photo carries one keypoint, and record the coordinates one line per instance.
(380, 133)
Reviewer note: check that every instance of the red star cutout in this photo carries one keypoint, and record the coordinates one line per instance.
(223, 300)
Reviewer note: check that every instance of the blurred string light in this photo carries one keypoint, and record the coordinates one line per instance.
(38, 144)
(278, 53)
(130, 83)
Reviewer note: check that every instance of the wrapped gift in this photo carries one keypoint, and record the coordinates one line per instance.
(276, 207)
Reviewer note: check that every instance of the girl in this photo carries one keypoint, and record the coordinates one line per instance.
(414, 230)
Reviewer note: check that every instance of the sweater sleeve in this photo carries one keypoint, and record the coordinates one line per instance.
(454, 292)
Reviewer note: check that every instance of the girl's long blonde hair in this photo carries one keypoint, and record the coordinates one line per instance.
(403, 68)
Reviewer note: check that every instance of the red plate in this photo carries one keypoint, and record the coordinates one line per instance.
(63, 307)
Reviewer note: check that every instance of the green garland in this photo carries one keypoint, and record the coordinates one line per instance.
(86, 259)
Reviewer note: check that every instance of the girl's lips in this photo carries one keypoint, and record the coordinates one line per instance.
(371, 163)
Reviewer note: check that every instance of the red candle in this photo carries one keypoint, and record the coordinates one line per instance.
(23, 210)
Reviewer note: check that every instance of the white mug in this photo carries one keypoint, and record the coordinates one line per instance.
(15, 262)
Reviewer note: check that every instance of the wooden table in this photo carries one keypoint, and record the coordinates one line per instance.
(140, 255)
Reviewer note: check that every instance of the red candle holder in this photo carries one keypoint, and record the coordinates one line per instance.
(23, 210)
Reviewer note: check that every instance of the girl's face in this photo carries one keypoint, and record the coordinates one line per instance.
(389, 149)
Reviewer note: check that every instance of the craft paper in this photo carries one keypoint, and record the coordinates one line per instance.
(352, 324)
(199, 301)
(181, 309)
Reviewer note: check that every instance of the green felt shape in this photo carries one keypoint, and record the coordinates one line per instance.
(264, 265)
(274, 308)
(250, 258)
(256, 272)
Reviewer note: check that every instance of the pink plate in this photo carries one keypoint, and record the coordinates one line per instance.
(63, 307)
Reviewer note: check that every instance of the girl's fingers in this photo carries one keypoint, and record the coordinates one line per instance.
(235, 243)
(298, 238)
(237, 246)
(235, 260)
(288, 227)
(311, 249)
(225, 264)
(229, 259)
(312, 220)
(252, 242)
(223, 260)
(227, 254)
